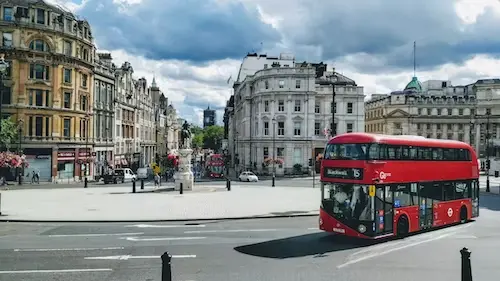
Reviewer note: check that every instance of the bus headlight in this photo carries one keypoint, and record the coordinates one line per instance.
(362, 228)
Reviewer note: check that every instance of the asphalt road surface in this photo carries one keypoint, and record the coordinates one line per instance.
(284, 249)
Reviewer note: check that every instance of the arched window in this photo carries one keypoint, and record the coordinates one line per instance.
(39, 45)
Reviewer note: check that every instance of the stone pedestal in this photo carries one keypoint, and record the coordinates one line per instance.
(184, 175)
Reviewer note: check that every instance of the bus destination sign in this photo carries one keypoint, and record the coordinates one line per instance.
(344, 173)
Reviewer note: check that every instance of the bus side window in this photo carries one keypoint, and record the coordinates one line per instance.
(402, 196)
(462, 190)
(449, 191)
(405, 154)
(437, 154)
(413, 153)
(449, 154)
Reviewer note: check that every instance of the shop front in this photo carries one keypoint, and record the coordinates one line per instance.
(66, 164)
(39, 160)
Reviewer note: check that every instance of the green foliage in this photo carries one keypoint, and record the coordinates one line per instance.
(209, 137)
(9, 133)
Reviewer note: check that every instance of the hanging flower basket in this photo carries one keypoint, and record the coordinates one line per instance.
(270, 161)
(12, 160)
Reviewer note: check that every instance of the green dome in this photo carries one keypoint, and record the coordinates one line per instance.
(414, 85)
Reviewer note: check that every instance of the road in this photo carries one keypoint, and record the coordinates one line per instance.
(265, 249)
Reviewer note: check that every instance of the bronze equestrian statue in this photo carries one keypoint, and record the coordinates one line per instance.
(186, 135)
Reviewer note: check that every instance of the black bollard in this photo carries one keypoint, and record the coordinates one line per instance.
(166, 267)
(228, 184)
(85, 182)
(142, 183)
(466, 266)
(181, 190)
(272, 184)
(133, 186)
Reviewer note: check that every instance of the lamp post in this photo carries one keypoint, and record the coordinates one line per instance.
(87, 152)
(3, 69)
(488, 113)
(20, 171)
(333, 84)
(274, 151)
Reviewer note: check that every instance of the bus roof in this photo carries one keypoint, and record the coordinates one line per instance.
(397, 140)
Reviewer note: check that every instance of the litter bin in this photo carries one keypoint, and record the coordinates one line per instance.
(496, 174)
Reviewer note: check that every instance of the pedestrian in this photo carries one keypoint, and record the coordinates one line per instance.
(157, 180)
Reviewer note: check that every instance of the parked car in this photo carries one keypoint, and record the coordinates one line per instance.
(248, 176)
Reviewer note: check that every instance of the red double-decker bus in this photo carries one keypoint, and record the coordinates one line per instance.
(215, 165)
(375, 186)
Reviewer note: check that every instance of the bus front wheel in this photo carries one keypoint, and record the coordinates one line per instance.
(402, 226)
(463, 214)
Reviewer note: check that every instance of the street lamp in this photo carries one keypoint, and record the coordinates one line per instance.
(3, 70)
(87, 151)
(20, 172)
(274, 151)
(488, 113)
(333, 84)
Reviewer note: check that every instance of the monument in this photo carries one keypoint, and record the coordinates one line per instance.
(184, 175)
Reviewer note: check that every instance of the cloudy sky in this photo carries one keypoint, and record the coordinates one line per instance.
(194, 46)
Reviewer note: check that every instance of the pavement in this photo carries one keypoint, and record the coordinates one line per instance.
(117, 203)
(284, 249)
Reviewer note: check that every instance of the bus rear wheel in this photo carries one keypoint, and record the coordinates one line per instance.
(402, 226)
(463, 214)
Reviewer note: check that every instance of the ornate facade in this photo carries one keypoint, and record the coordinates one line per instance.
(48, 88)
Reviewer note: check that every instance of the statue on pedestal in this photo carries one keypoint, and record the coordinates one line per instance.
(186, 136)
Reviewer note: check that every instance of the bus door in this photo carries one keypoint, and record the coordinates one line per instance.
(425, 205)
(384, 214)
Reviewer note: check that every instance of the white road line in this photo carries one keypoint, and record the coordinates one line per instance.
(162, 238)
(69, 249)
(166, 226)
(416, 243)
(56, 271)
(97, 234)
(128, 257)
(229, 231)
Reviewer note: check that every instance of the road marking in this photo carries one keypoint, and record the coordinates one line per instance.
(313, 228)
(162, 238)
(441, 235)
(97, 234)
(55, 271)
(229, 231)
(128, 257)
(166, 226)
(68, 249)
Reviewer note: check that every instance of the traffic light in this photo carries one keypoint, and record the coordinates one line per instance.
(488, 164)
(310, 162)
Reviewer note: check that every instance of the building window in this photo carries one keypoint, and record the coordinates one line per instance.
(297, 84)
(265, 66)
(7, 14)
(460, 111)
(281, 84)
(84, 80)
(296, 128)
(281, 128)
(67, 75)
(317, 108)
(67, 128)
(349, 107)
(349, 127)
(39, 97)
(297, 106)
(266, 152)
(6, 95)
(266, 83)
(85, 54)
(83, 103)
(7, 39)
(317, 128)
(297, 155)
(266, 128)
(39, 71)
(67, 100)
(280, 152)
(40, 16)
(84, 132)
(266, 106)
(39, 45)
(281, 105)
(68, 48)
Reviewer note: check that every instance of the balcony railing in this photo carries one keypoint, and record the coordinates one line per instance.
(53, 139)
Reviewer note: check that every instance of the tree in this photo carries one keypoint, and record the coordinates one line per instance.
(8, 133)
(197, 137)
(212, 137)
